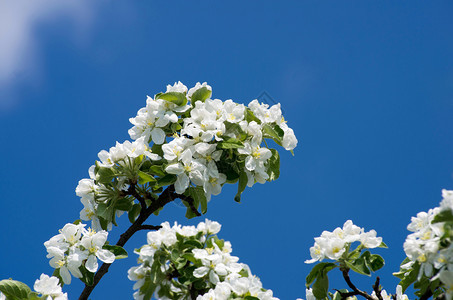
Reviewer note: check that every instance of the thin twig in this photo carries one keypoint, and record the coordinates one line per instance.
(377, 289)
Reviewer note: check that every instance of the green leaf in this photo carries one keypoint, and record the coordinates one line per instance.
(201, 94)
(166, 180)
(157, 149)
(251, 298)
(190, 257)
(273, 165)
(321, 286)
(105, 175)
(119, 251)
(320, 267)
(243, 179)
(33, 296)
(250, 116)
(157, 170)
(382, 245)
(198, 195)
(375, 262)
(174, 97)
(235, 129)
(145, 178)
(273, 131)
(359, 266)
(87, 276)
(443, 216)
(411, 277)
(134, 212)
(14, 290)
(230, 143)
(124, 204)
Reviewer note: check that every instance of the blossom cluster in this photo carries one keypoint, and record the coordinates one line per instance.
(193, 153)
(76, 250)
(181, 261)
(428, 248)
(123, 156)
(333, 245)
(186, 139)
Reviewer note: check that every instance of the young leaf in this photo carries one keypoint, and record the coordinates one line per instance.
(201, 94)
(359, 266)
(443, 216)
(134, 212)
(177, 98)
(230, 143)
(320, 267)
(274, 132)
(87, 276)
(124, 204)
(321, 285)
(105, 175)
(250, 116)
(198, 195)
(145, 178)
(375, 262)
(166, 180)
(157, 170)
(14, 289)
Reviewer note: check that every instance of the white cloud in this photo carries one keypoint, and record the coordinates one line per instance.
(19, 46)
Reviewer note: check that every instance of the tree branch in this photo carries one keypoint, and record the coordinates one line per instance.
(165, 197)
(353, 287)
(377, 289)
(149, 227)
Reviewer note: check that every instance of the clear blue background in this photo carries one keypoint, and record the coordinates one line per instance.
(366, 86)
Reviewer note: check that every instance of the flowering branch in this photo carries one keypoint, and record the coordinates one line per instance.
(165, 197)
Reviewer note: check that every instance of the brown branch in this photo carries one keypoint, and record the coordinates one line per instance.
(377, 289)
(133, 192)
(356, 291)
(165, 197)
(149, 227)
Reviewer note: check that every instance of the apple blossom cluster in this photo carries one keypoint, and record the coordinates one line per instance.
(429, 249)
(121, 161)
(194, 153)
(182, 262)
(76, 250)
(333, 245)
(184, 139)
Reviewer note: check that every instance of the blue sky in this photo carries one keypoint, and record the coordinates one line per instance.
(366, 86)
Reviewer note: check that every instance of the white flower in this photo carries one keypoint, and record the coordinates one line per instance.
(187, 170)
(178, 87)
(94, 242)
(49, 286)
(256, 155)
(209, 227)
(369, 239)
